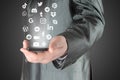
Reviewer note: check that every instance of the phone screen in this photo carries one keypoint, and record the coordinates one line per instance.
(40, 22)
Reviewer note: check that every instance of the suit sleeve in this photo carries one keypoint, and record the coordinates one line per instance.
(86, 28)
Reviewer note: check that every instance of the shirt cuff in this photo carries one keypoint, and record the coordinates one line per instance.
(58, 63)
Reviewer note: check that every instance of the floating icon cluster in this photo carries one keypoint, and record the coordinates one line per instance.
(42, 20)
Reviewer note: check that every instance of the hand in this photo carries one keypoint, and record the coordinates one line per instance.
(57, 48)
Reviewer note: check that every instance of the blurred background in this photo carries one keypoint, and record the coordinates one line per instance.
(105, 53)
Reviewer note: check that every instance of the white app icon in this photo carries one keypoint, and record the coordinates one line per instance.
(43, 20)
(54, 5)
(37, 29)
(34, 10)
(28, 37)
(41, 14)
(24, 13)
(40, 4)
(48, 36)
(47, 9)
(25, 28)
(24, 5)
(43, 44)
(36, 37)
(36, 44)
(50, 27)
(30, 20)
(55, 22)
(53, 14)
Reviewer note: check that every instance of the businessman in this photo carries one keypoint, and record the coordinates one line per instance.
(68, 55)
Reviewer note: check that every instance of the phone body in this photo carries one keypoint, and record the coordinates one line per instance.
(40, 23)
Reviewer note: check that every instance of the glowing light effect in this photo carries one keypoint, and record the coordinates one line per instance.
(41, 23)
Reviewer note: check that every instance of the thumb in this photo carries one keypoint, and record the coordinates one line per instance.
(25, 44)
(56, 42)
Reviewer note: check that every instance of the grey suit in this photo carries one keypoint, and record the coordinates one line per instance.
(82, 25)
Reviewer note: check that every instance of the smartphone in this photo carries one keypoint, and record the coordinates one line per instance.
(40, 23)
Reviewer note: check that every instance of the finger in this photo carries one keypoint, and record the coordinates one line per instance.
(30, 56)
(33, 57)
(25, 44)
(28, 53)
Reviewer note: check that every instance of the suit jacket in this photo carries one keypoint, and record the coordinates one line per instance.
(82, 24)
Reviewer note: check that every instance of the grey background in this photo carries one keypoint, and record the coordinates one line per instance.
(105, 53)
